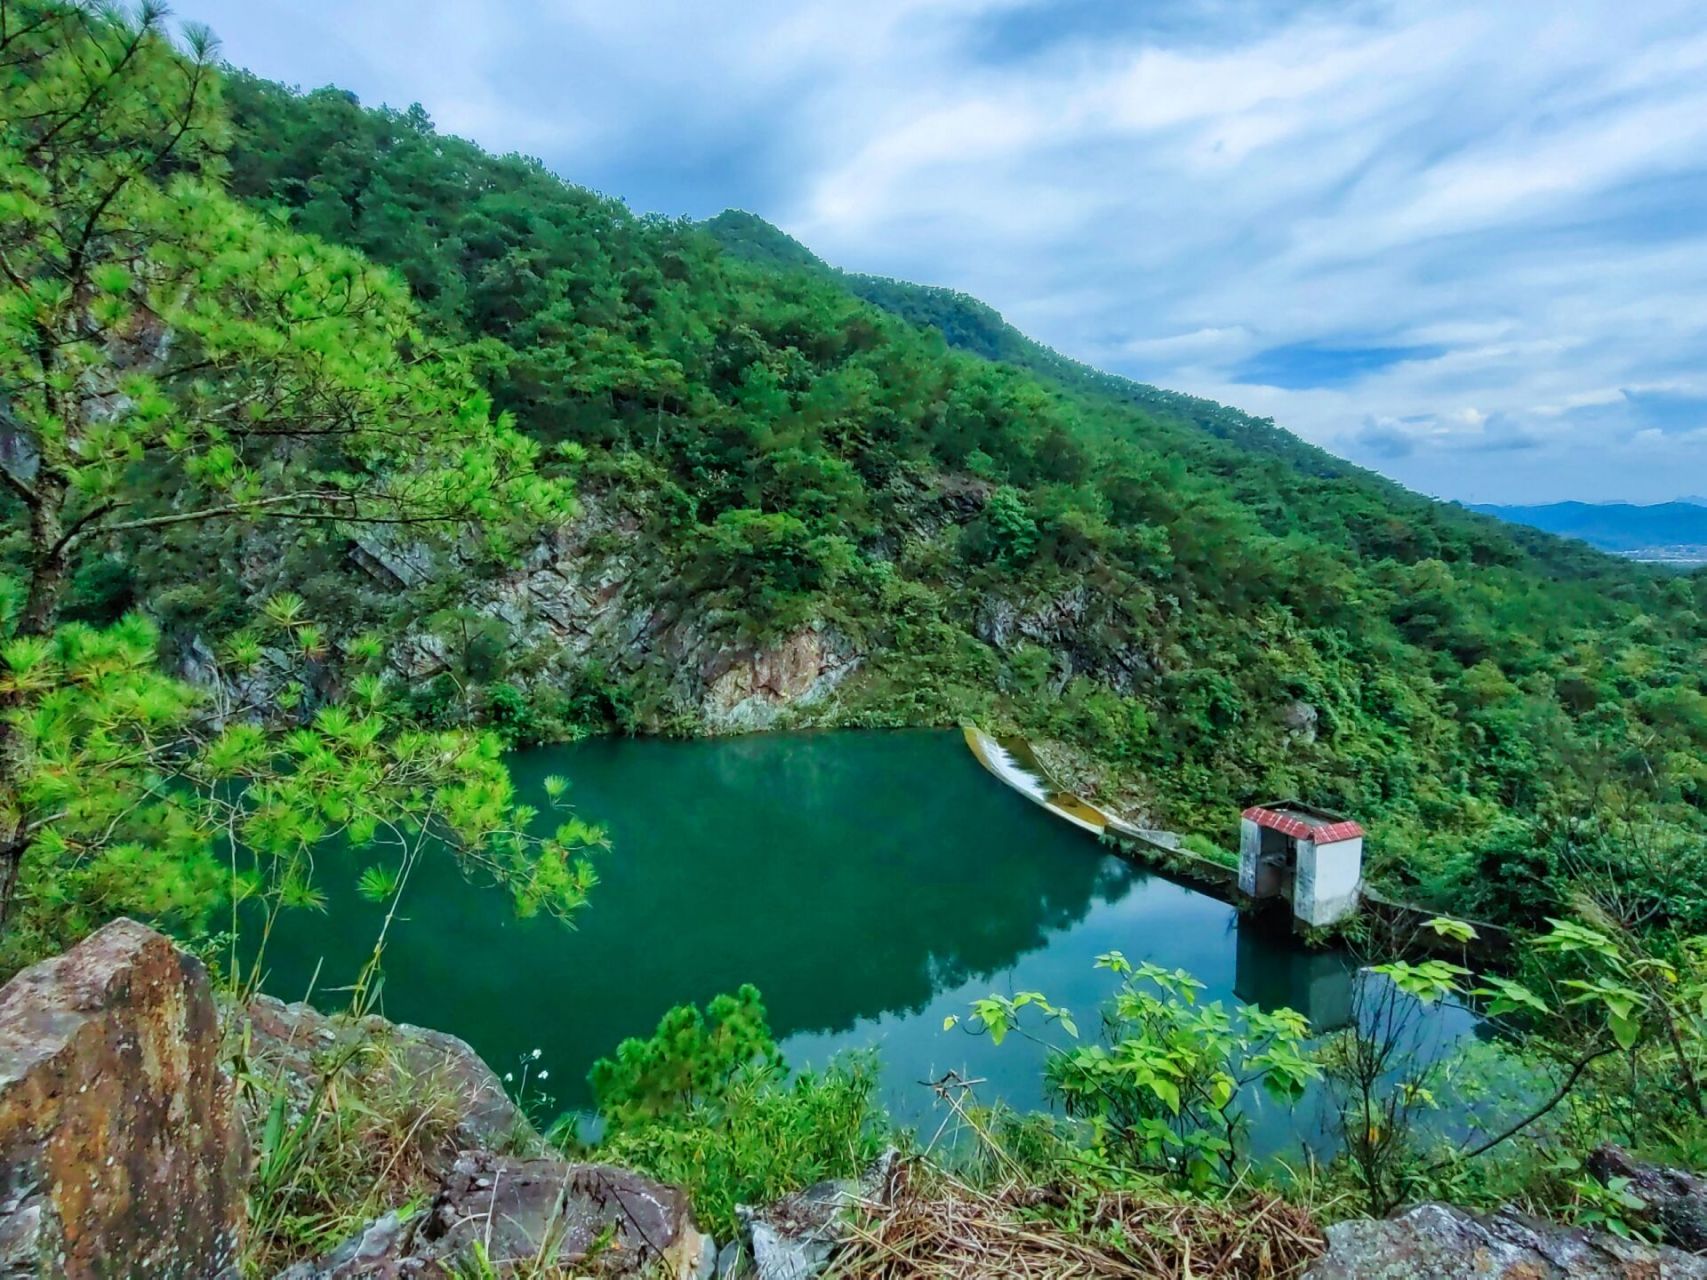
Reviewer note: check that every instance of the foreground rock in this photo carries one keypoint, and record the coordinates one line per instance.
(120, 1149)
(1443, 1243)
(1676, 1200)
(797, 1237)
(587, 1219)
(454, 1100)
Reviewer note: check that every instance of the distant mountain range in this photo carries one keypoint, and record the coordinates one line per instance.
(1674, 532)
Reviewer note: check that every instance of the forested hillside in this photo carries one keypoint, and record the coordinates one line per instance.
(1205, 606)
(338, 458)
(970, 325)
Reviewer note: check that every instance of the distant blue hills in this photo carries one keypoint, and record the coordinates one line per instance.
(1619, 527)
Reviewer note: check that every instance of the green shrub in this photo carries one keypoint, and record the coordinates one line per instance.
(432, 704)
(101, 592)
(1204, 847)
(693, 1058)
(763, 1137)
(513, 716)
(707, 1103)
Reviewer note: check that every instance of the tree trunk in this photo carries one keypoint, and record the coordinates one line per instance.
(47, 558)
(11, 863)
(41, 609)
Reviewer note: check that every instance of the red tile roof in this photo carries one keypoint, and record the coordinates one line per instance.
(1298, 829)
(1336, 831)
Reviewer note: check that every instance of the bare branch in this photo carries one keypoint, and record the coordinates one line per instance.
(1577, 1068)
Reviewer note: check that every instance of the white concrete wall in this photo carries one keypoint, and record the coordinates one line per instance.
(1250, 849)
(1328, 878)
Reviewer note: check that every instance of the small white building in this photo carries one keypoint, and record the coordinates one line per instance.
(1310, 857)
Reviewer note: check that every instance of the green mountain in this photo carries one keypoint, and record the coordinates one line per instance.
(816, 497)
(967, 324)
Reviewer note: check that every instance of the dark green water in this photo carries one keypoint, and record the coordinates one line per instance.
(868, 883)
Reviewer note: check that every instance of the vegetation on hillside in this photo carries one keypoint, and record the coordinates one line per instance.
(173, 360)
(1024, 541)
(311, 317)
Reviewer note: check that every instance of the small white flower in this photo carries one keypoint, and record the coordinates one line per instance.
(536, 1053)
(545, 1075)
(509, 1076)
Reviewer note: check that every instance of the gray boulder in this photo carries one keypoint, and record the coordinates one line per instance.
(1676, 1199)
(1444, 1243)
(586, 1219)
(796, 1237)
(573, 1213)
(1300, 719)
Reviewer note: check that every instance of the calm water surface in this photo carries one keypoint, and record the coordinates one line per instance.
(869, 883)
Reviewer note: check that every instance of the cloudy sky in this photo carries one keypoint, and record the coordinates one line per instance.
(1463, 243)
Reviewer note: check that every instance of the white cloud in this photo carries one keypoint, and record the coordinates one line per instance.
(1517, 185)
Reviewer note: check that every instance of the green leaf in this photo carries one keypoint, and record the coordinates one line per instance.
(1625, 1030)
(1447, 927)
(377, 883)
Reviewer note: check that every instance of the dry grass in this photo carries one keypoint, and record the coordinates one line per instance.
(938, 1228)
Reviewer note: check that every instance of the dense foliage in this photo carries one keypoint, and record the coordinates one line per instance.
(706, 1102)
(1021, 540)
(196, 347)
(173, 360)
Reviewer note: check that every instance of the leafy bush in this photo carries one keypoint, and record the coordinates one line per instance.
(761, 1138)
(707, 1103)
(1204, 847)
(101, 592)
(692, 1058)
(433, 702)
(512, 715)
(1161, 1088)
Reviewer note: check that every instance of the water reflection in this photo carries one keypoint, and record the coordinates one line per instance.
(1319, 984)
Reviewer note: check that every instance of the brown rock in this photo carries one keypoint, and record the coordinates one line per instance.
(750, 689)
(120, 1148)
(1444, 1243)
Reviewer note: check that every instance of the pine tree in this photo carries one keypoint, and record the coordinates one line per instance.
(169, 356)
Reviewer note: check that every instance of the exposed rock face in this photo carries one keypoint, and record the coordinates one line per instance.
(1676, 1200)
(751, 689)
(595, 590)
(592, 1219)
(1088, 634)
(1300, 719)
(120, 1148)
(1443, 1243)
(296, 1044)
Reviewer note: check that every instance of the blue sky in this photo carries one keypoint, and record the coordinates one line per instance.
(1462, 243)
